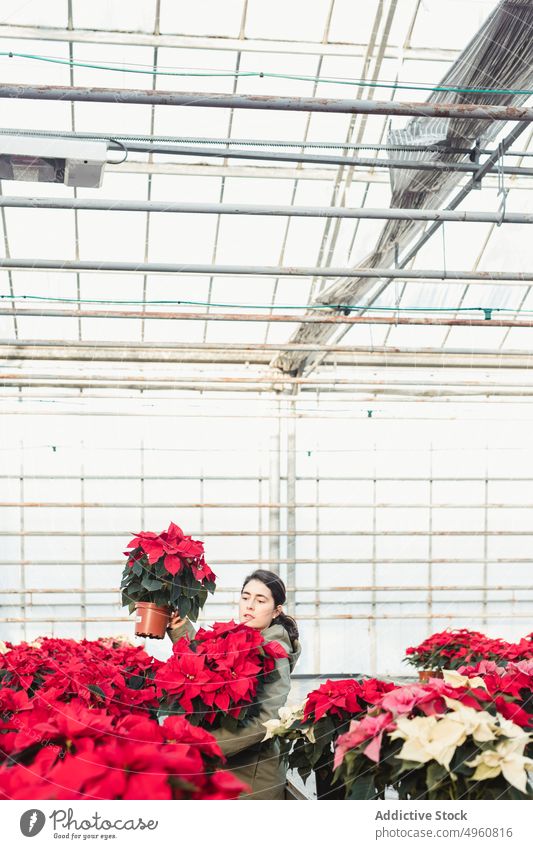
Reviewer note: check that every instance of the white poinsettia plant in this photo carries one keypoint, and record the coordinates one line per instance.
(435, 742)
(437, 738)
(290, 724)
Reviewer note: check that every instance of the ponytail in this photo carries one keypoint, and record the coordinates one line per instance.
(289, 624)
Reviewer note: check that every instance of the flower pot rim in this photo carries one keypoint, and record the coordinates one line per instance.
(152, 604)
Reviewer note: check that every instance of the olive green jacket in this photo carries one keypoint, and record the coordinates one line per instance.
(253, 761)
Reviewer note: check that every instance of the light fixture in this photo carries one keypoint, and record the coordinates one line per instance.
(73, 162)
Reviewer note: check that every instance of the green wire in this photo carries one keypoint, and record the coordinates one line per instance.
(266, 74)
(350, 307)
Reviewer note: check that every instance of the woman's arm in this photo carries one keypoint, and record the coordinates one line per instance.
(253, 731)
(182, 628)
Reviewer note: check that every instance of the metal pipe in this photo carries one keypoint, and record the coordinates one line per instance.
(152, 206)
(147, 405)
(297, 604)
(290, 460)
(345, 356)
(324, 317)
(264, 101)
(315, 158)
(13, 379)
(196, 146)
(377, 618)
(263, 505)
(349, 588)
(355, 533)
(210, 270)
(301, 560)
(184, 41)
(277, 385)
(144, 347)
(225, 141)
(30, 476)
(318, 173)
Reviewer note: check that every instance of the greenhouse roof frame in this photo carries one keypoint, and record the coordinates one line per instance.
(201, 264)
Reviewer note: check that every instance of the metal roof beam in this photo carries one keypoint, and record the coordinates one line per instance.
(260, 354)
(246, 45)
(274, 172)
(323, 318)
(389, 214)
(419, 274)
(271, 383)
(319, 159)
(471, 111)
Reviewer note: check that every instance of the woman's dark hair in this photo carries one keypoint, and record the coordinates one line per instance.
(279, 594)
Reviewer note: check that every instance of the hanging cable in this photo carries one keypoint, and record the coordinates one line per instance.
(125, 149)
(394, 86)
(346, 308)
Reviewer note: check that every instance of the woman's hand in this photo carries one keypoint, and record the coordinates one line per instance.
(175, 621)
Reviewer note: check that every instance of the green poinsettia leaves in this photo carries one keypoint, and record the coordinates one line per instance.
(363, 787)
(97, 691)
(136, 682)
(184, 606)
(143, 581)
(151, 584)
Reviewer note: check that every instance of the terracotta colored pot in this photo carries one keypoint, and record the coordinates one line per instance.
(151, 620)
(425, 674)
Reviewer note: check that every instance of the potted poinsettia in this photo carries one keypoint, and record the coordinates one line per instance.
(68, 751)
(217, 678)
(451, 649)
(449, 750)
(165, 572)
(308, 732)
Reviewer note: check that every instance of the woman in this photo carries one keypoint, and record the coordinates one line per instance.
(257, 763)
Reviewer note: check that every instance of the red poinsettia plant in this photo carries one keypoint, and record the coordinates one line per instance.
(73, 752)
(217, 677)
(327, 713)
(167, 569)
(78, 720)
(453, 648)
(510, 688)
(106, 672)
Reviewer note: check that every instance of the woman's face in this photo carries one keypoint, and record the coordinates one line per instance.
(256, 605)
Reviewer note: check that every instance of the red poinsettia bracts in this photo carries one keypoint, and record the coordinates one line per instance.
(344, 698)
(452, 648)
(172, 545)
(217, 674)
(101, 672)
(510, 688)
(79, 754)
(68, 731)
(167, 569)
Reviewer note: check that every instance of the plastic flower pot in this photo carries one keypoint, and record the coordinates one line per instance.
(425, 674)
(151, 620)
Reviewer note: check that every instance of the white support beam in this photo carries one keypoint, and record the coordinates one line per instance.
(260, 354)
(197, 42)
(187, 169)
